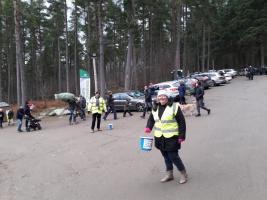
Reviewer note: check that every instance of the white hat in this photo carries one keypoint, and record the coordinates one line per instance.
(163, 92)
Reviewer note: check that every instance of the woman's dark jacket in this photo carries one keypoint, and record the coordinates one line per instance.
(20, 113)
(199, 93)
(168, 144)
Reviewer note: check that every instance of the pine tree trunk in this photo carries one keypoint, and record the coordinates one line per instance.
(208, 58)
(19, 57)
(127, 83)
(203, 48)
(59, 65)
(128, 62)
(185, 67)
(88, 36)
(67, 48)
(135, 77)
(75, 50)
(101, 49)
(177, 61)
(1, 47)
(262, 54)
(150, 46)
(143, 50)
(198, 56)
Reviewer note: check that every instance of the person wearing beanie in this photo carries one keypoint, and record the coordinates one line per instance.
(169, 128)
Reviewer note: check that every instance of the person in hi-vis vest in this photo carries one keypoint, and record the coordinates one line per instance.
(169, 128)
(96, 106)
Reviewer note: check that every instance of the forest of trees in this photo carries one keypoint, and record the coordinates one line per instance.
(44, 43)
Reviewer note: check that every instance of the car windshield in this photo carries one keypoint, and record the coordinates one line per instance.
(177, 84)
(135, 93)
(164, 86)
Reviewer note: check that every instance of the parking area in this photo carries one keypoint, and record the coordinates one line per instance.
(225, 154)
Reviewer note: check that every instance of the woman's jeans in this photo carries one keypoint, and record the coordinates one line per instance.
(72, 116)
(19, 124)
(200, 104)
(172, 157)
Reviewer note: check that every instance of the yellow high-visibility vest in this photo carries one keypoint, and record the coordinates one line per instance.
(97, 109)
(167, 125)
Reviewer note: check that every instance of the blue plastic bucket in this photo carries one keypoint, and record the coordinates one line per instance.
(146, 143)
(110, 126)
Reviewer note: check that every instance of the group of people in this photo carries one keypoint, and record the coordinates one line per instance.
(9, 114)
(77, 106)
(22, 113)
(166, 121)
(149, 91)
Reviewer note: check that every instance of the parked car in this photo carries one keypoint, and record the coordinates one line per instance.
(227, 76)
(136, 103)
(170, 86)
(189, 84)
(243, 72)
(206, 82)
(232, 72)
(216, 78)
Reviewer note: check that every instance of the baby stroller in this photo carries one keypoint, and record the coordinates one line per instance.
(34, 124)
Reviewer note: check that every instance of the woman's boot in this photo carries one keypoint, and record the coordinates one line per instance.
(167, 177)
(184, 177)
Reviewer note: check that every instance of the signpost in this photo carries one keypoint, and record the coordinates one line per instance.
(85, 84)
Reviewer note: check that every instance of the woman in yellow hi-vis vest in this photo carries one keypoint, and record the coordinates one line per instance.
(169, 128)
(96, 106)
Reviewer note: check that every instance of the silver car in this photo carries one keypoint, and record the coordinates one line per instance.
(136, 103)
(216, 78)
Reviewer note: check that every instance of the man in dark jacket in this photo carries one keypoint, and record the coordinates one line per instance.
(148, 101)
(181, 90)
(110, 106)
(20, 115)
(2, 115)
(199, 95)
(82, 105)
(169, 132)
(72, 109)
(28, 115)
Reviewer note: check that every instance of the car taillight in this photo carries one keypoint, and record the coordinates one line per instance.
(173, 89)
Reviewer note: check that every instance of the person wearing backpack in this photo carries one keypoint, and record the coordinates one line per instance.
(82, 102)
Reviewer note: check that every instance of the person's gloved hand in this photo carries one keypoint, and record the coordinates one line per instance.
(180, 140)
(147, 130)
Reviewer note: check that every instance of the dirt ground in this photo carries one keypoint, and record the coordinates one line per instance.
(225, 155)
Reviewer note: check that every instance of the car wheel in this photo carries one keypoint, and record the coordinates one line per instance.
(139, 107)
(213, 83)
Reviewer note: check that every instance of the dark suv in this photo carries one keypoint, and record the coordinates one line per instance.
(136, 103)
